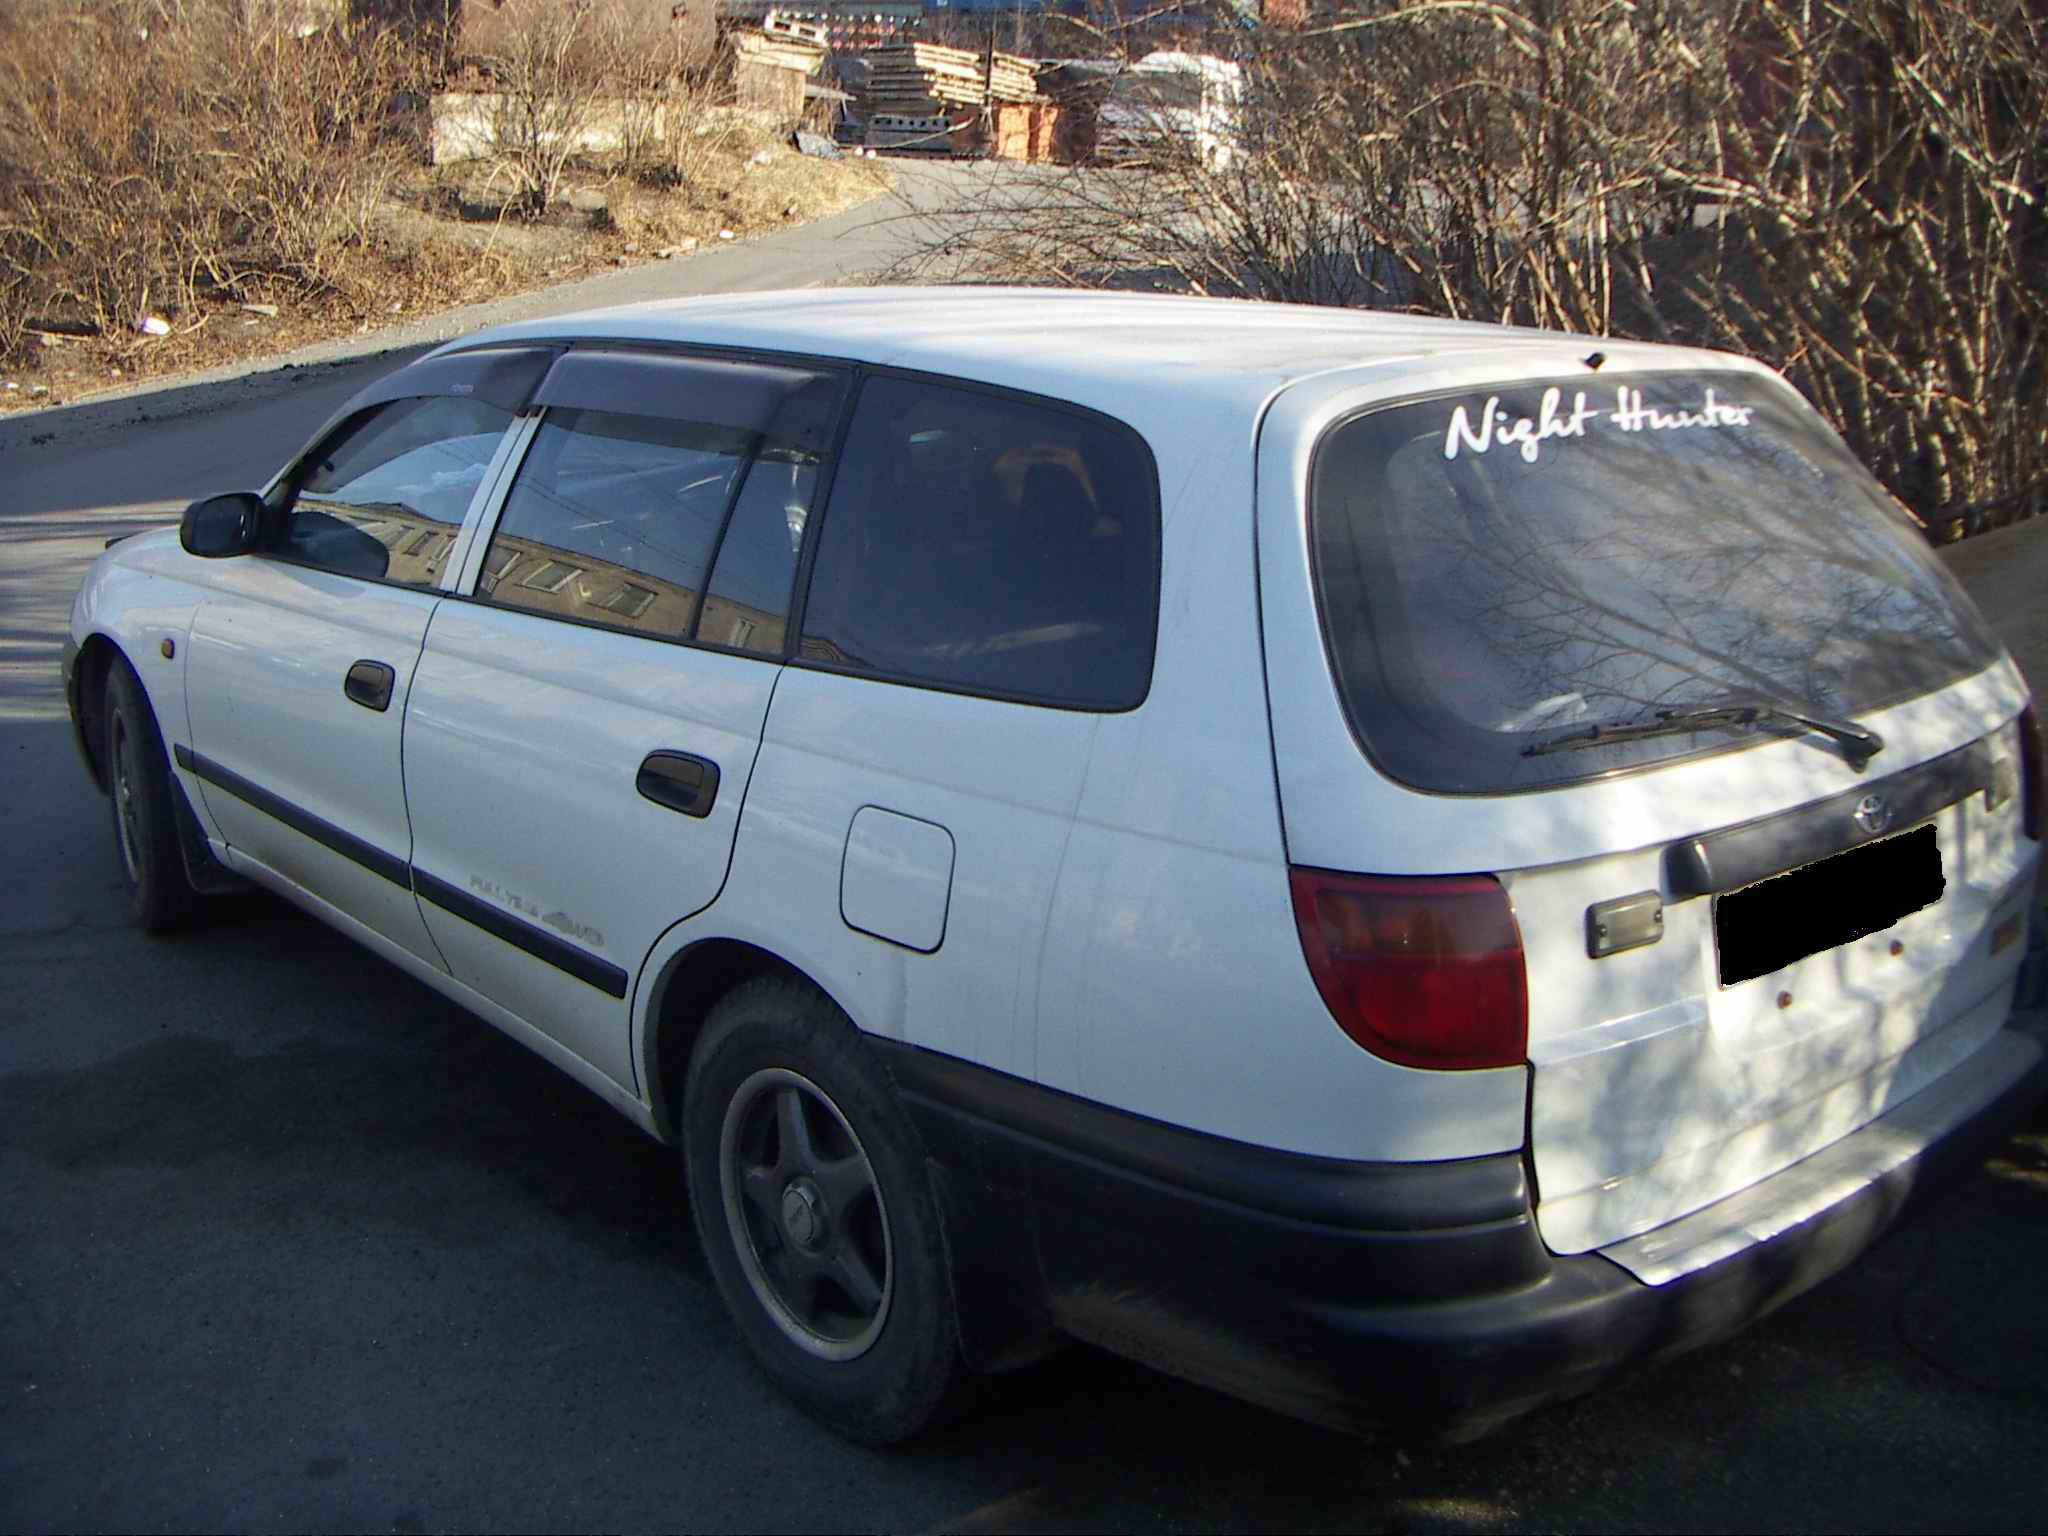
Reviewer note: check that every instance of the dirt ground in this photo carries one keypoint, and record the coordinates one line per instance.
(446, 236)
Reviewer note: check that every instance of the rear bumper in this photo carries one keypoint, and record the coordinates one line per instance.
(1355, 1293)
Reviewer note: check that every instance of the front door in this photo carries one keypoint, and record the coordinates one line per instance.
(302, 657)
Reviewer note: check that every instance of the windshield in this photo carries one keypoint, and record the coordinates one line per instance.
(1496, 567)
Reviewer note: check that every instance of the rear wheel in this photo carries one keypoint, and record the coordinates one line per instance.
(816, 1216)
(160, 897)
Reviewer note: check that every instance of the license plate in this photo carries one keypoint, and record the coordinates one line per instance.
(1770, 924)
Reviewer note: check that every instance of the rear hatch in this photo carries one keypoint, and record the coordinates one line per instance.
(1654, 648)
(1771, 1006)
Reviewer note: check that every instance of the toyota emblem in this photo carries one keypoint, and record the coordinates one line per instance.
(1873, 815)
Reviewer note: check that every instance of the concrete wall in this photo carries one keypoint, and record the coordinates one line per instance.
(465, 125)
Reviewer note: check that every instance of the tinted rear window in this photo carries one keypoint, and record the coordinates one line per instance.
(1496, 569)
(989, 544)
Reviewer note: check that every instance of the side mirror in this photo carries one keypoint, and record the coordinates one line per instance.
(222, 525)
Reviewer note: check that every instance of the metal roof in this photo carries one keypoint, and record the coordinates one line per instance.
(1095, 347)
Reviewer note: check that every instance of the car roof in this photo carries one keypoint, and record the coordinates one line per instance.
(1112, 350)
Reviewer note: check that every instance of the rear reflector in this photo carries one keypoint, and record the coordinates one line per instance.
(2033, 768)
(1424, 972)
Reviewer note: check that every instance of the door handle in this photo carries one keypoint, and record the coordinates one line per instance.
(369, 683)
(681, 781)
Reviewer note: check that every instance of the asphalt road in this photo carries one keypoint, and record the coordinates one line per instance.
(289, 1243)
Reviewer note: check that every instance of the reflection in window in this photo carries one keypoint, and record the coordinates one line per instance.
(630, 601)
(1477, 602)
(498, 564)
(613, 517)
(747, 607)
(550, 576)
(382, 496)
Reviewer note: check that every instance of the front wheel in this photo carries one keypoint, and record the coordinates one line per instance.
(160, 896)
(810, 1197)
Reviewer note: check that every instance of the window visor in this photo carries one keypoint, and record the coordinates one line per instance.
(500, 376)
(794, 406)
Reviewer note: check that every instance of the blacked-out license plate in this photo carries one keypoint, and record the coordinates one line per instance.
(1804, 911)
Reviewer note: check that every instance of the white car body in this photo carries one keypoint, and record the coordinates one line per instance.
(1093, 905)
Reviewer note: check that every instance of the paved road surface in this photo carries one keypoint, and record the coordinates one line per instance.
(287, 1242)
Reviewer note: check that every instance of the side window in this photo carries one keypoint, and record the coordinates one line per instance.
(383, 498)
(613, 518)
(982, 542)
(747, 603)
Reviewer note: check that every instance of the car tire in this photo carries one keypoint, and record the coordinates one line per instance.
(810, 1195)
(160, 896)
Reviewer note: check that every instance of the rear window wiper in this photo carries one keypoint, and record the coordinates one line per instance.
(1858, 745)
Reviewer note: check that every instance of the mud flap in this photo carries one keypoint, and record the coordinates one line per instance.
(208, 876)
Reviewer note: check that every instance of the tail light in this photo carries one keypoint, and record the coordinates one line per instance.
(2033, 767)
(1424, 972)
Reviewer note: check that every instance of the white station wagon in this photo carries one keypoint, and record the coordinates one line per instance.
(1371, 863)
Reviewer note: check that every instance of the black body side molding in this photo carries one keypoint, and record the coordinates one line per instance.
(530, 937)
(322, 831)
(535, 940)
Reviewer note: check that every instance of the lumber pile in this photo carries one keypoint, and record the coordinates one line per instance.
(778, 51)
(776, 24)
(917, 78)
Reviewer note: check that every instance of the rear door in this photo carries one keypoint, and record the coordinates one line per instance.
(302, 655)
(585, 715)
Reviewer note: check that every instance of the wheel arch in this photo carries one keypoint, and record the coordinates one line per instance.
(96, 657)
(688, 986)
(135, 601)
(90, 671)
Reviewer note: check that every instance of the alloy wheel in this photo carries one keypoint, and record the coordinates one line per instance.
(127, 807)
(806, 1214)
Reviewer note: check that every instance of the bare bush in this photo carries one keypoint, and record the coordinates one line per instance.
(1851, 189)
(1882, 169)
(547, 89)
(1421, 156)
(153, 154)
(702, 127)
(570, 78)
(680, 118)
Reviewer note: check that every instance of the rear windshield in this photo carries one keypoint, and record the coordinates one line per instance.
(1500, 569)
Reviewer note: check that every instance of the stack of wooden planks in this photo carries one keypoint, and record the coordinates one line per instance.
(924, 77)
(775, 24)
(778, 51)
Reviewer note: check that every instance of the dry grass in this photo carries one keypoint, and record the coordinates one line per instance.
(149, 163)
(188, 167)
(729, 186)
